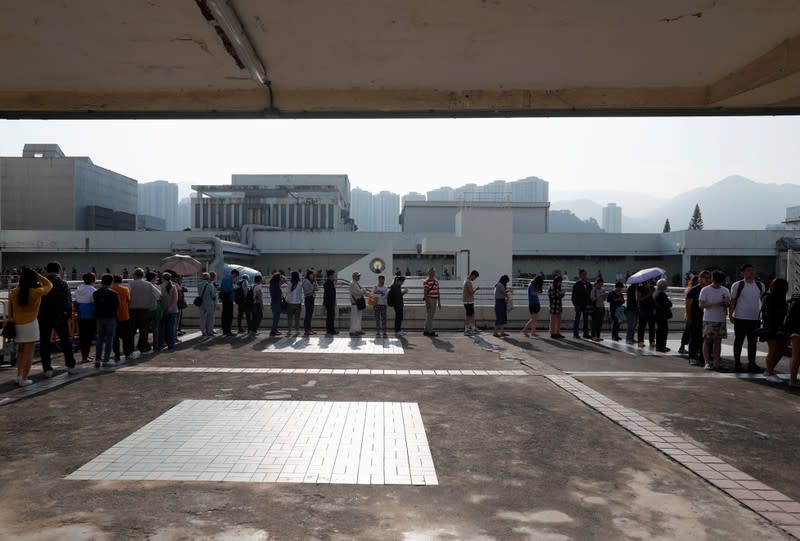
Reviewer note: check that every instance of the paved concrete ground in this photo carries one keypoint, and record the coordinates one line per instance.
(516, 456)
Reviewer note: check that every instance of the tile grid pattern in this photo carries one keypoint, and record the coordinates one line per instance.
(769, 503)
(697, 374)
(368, 346)
(673, 344)
(328, 371)
(274, 441)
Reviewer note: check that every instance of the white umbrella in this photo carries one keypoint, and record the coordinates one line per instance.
(645, 275)
(182, 264)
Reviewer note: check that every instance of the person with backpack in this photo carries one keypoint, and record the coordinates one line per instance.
(581, 302)
(745, 312)
(663, 313)
(54, 315)
(329, 302)
(243, 297)
(310, 288)
(646, 309)
(106, 304)
(226, 296)
(395, 300)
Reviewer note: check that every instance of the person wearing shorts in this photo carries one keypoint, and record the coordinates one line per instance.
(714, 300)
(468, 297)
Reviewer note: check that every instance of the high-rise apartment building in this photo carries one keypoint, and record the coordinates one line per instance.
(530, 190)
(362, 209)
(160, 199)
(612, 218)
(413, 196)
(441, 194)
(386, 217)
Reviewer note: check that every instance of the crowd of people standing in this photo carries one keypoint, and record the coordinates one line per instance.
(111, 313)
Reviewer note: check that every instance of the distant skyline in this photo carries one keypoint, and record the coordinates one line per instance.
(647, 155)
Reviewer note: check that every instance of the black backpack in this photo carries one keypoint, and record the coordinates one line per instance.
(238, 294)
(250, 299)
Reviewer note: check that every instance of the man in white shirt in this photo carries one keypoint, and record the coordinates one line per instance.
(745, 316)
(714, 300)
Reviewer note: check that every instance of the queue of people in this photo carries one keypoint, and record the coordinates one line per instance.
(111, 313)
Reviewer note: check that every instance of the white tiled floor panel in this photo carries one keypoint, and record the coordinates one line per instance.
(326, 344)
(329, 371)
(274, 441)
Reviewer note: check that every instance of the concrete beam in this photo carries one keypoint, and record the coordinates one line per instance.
(759, 81)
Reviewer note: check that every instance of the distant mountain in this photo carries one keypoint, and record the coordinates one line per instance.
(564, 221)
(585, 209)
(734, 202)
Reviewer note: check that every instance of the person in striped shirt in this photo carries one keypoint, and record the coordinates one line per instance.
(430, 293)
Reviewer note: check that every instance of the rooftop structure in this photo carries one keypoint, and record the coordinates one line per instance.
(440, 216)
(296, 202)
(46, 190)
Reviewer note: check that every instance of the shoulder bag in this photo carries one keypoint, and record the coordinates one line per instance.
(9, 330)
(198, 301)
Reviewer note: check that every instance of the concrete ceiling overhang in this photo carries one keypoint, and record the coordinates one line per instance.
(352, 58)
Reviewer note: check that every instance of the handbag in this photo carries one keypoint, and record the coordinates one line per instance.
(198, 301)
(361, 303)
(9, 330)
(284, 306)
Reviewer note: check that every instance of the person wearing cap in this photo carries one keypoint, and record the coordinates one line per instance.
(356, 292)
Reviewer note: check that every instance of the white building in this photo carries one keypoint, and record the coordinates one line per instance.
(413, 196)
(362, 209)
(290, 202)
(530, 190)
(160, 199)
(612, 218)
(441, 194)
(387, 212)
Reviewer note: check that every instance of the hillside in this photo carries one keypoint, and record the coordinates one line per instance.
(734, 202)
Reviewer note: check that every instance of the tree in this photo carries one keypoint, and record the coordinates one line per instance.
(667, 227)
(697, 219)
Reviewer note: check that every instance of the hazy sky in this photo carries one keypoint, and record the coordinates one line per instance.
(656, 155)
